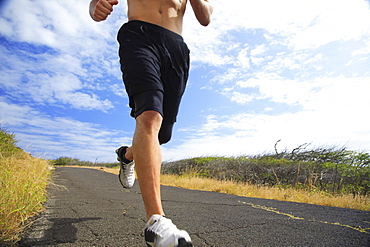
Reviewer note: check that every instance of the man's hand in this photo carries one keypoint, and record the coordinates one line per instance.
(101, 9)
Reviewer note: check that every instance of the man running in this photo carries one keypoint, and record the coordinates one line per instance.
(155, 64)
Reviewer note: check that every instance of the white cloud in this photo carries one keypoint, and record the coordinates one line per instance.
(65, 55)
(353, 22)
(51, 89)
(259, 50)
(56, 24)
(280, 91)
(243, 59)
(298, 24)
(362, 51)
(332, 111)
(247, 134)
(242, 98)
(62, 136)
(258, 54)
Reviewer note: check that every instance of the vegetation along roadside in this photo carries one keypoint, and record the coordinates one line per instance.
(324, 176)
(23, 182)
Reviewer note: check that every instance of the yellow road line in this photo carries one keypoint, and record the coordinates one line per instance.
(274, 210)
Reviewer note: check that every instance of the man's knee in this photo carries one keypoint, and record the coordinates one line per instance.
(149, 120)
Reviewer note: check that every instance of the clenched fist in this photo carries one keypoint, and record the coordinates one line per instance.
(101, 9)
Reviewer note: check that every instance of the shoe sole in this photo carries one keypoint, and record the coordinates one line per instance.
(181, 243)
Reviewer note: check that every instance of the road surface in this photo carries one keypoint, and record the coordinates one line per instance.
(88, 207)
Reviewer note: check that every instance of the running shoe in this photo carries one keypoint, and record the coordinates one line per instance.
(126, 174)
(161, 232)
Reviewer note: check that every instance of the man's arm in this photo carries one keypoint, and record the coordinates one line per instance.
(203, 11)
(100, 9)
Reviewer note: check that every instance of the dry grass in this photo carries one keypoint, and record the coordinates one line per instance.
(23, 181)
(292, 195)
(228, 187)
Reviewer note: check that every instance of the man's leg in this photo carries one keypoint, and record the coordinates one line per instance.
(146, 152)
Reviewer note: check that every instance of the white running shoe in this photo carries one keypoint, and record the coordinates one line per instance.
(161, 232)
(127, 169)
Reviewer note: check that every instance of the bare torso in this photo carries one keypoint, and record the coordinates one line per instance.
(166, 13)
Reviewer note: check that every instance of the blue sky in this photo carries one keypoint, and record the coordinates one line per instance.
(262, 71)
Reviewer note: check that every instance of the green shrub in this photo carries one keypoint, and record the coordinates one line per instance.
(7, 144)
(64, 161)
(331, 170)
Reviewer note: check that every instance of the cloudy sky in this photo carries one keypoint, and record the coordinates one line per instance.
(263, 71)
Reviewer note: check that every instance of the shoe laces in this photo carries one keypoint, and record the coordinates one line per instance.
(160, 225)
(128, 168)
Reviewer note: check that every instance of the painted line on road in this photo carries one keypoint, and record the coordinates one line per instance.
(274, 210)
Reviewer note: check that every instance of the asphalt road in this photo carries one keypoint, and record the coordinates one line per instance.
(89, 207)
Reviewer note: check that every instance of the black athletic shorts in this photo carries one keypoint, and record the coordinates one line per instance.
(155, 66)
